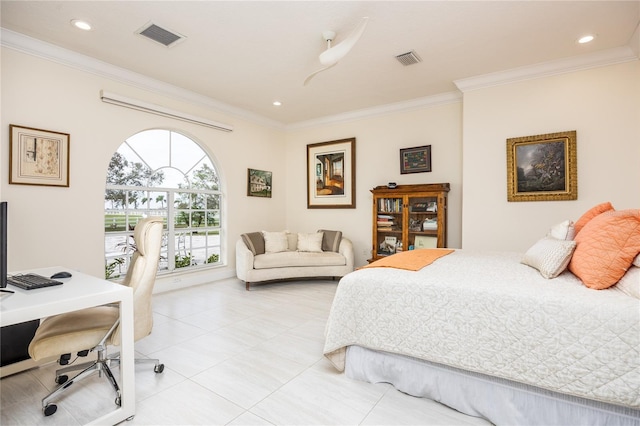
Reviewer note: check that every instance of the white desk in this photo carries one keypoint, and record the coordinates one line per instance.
(80, 292)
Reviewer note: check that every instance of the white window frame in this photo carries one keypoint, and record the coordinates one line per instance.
(171, 233)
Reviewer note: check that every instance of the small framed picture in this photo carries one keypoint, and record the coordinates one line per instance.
(415, 160)
(258, 183)
(425, 241)
(38, 157)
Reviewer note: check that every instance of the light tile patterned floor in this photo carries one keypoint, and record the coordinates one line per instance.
(233, 357)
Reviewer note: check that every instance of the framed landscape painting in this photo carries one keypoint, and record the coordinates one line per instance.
(542, 167)
(331, 174)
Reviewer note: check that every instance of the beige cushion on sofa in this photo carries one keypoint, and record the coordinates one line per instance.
(292, 240)
(275, 242)
(331, 240)
(310, 242)
(292, 259)
(254, 242)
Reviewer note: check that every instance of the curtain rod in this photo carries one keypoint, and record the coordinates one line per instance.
(123, 101)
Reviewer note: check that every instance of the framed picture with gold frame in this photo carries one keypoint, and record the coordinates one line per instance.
(542, 167)
(38, 157)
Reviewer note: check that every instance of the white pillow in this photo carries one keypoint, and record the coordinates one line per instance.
(629, 284)
(549, 256)
(563, 231)
(310, 242)
(636, 261)
(275, 242)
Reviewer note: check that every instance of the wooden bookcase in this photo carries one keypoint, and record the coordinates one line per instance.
(409, 216)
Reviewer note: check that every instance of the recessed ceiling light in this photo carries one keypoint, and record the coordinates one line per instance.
(83, 25)
(277, 103)
(586, 39)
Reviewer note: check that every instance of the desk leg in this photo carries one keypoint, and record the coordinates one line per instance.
(127, 407)
(127, 358)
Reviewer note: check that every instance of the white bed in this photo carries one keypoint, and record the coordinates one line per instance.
(491, 337)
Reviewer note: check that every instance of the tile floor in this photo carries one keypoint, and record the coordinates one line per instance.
(233, 357)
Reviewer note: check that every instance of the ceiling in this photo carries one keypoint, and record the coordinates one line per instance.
(247, 54)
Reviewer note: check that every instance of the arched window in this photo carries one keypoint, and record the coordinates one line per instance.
(163, 173)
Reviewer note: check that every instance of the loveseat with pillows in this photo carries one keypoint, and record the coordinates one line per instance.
(270, 256)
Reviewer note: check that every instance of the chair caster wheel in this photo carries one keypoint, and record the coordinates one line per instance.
(118, 401)
(158, 368)
(50, 409)
(62, 379)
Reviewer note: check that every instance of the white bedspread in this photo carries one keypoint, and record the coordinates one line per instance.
(486, 312)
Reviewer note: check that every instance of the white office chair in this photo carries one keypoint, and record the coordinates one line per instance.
(98, 327)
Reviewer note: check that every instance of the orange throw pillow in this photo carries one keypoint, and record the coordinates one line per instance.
(606, 247)
(590, 214)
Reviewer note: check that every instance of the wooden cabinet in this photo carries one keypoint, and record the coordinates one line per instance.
(409, 217)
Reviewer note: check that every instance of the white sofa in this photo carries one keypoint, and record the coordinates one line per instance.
(336, 259)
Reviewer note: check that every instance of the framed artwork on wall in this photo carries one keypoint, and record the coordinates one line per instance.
(331, 174)
(38, 157)
(415, 160)
(542, 167)
(259, 183)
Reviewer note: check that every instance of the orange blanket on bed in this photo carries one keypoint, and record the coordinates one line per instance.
(411, 260)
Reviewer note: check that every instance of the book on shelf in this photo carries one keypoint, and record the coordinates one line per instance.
(393, 205)
(385, 217)
(385, 220)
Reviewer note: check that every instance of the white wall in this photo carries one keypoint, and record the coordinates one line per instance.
(601, 104)
(64, 226)
(378, 143)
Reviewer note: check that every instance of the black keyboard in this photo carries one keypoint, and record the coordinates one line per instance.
(31, 281)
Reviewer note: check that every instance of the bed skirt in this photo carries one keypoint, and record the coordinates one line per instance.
(502, 402)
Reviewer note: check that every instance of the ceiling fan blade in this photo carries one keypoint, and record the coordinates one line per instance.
(310, 76)
(332, 55)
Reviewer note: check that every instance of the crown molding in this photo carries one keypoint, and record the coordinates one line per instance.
(414, 104)
(546, 69)
(51, 52)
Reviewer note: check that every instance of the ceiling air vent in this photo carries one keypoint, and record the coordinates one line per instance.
(408, 58)
(160, 35)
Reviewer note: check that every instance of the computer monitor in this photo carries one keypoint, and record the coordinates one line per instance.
(3, 244)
